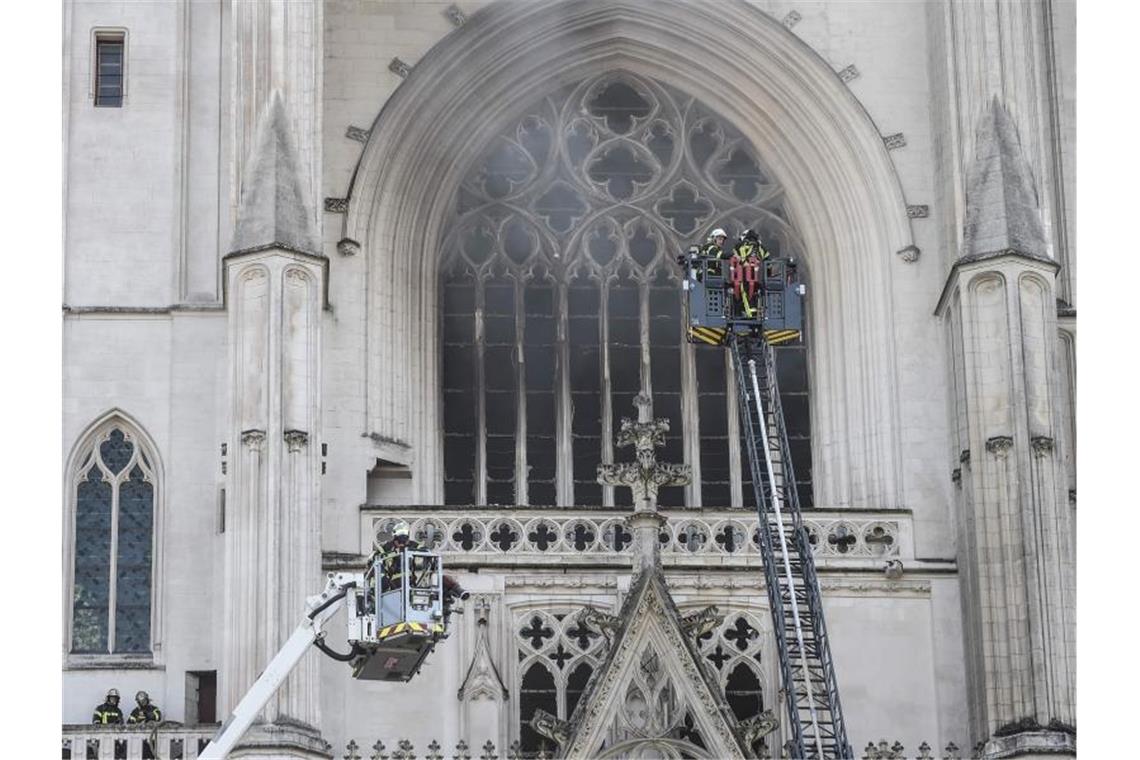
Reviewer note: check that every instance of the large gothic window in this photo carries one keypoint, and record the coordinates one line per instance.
(561, 298)
(113, 488)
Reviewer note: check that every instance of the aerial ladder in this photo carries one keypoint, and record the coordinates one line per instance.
(715, 316)
(392, 628)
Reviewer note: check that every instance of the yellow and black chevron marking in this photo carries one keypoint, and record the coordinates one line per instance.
(392, 630)
(775, 337)
(714, 336)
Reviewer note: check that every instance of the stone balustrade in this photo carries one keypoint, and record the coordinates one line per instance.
(171, 740)
(599, 536)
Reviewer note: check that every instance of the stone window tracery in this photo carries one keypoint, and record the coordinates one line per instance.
(561, 298)
(734, 654)
(114, 509)
(557, 655)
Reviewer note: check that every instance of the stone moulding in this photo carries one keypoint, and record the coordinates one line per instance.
(399, 68)
(336, 205)
(999, 444)
(359, 134)
(895, 141)
(909, 254)
(347, 247)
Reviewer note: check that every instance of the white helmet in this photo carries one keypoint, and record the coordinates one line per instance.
(718, 232)
(400, 529)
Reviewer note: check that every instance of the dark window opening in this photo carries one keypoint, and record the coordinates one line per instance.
(537, 692)
(109, 71)
(561, 303)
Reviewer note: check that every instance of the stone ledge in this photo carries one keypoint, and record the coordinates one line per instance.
(1029, 744)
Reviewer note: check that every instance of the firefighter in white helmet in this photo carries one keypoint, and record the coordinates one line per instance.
(714, 246)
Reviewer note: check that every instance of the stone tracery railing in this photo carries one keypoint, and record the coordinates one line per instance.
(174, 742)
(490, 533)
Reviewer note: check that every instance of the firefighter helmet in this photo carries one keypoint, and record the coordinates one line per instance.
(400, 530)
(718, 232)
(142, 697)
(112, 693)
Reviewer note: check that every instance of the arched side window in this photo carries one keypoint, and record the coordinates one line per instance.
(557, 655)
(734, 654)
(113, 496)
(561, 298)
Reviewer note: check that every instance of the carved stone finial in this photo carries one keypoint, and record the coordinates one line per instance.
(909, 254)
(895, 141)
(702, 622)
(347, 247)
(755, 729)
(791, 19)
(455, 15)
(550, 726)
(399, 68)
(999, 444)
(253, 439)
(295, 440)
(359, 134)
(607, 624)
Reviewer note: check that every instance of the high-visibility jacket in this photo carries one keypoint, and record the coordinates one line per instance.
(391, 565)
(106, 714)
(712, 250)
(147, 714)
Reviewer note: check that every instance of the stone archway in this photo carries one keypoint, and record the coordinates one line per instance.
(843, 197)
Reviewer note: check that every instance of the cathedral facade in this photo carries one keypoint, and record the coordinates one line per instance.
(334, 265)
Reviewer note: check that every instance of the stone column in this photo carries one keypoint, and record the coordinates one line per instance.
(1015, 526)
(275, 285)
(644, 476)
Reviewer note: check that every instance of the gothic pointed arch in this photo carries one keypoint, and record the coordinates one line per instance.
(842, 195)
(113, 495)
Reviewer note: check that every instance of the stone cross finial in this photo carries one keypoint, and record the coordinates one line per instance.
(644, 476)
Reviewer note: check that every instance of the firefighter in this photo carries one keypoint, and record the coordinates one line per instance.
(747, 275)
(144, 712)
(109, 713)
(392, 567)
(714, 246)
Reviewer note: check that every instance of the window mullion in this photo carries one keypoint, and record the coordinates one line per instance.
(692, 432)
(564, 443)
(112, 585)
(480, 397)
(607, 402)
(643, 328)
(521, 489)
(735, 485)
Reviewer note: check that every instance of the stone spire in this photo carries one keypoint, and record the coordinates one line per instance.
(1002, 209)
(644, 476)
(275, 211)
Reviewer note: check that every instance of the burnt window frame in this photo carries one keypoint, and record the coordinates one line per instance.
(532, 192)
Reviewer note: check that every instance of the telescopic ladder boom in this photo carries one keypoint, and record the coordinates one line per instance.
(815, 720)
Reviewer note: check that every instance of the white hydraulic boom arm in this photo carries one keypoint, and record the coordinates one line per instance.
(318, 610)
